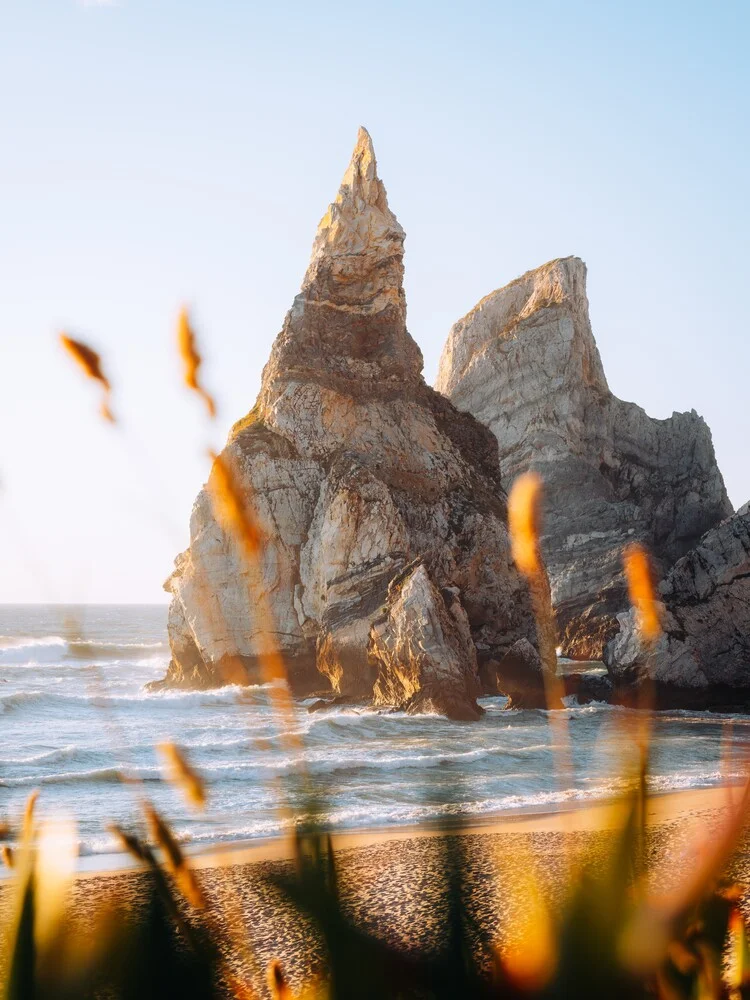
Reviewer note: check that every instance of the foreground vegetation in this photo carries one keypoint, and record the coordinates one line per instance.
(614, 937)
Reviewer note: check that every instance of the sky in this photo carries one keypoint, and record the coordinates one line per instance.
(157, 152)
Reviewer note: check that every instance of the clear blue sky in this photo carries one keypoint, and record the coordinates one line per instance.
(155, 152)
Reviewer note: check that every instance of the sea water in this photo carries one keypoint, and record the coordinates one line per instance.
(75, 718)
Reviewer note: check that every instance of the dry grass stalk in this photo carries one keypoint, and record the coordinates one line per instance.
(181, 773)
(524, 517)
(27, 827)
(54, 872)
(524, 523)
(175, 860)
(234, 513)
(655, 921)
(132, 845)
(529, 954)
(89, 361)
(277, 983)
(639, 576)
(231, 508)
(739, 951)
(192, 360)
(642, 592)
(524, 520)
(6, 853)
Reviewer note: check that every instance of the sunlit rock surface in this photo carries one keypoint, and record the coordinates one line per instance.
(424, 649)
(355, 468)
(703, 658)
(524, 361)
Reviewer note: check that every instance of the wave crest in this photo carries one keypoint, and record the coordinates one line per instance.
(30, 651)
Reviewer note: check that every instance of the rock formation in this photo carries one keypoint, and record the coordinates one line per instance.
(386, 563)
(703, 658)
(525, 363)
(424, 650)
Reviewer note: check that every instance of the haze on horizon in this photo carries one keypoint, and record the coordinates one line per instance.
(155, 157)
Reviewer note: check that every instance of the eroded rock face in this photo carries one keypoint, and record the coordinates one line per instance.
(354, 468)
(703, 658)
(525, 363)
(425, 653)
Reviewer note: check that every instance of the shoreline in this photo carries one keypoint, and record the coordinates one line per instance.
(592, 816)
(392, 881)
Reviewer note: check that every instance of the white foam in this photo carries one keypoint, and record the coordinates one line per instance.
(32, 651)
(46, 757)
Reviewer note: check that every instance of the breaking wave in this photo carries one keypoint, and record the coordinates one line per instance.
(99, 775)
(27, 651)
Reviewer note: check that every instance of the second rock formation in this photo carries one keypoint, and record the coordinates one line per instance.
(524, 361)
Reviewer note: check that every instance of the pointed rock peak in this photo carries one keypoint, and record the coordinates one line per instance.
(361, 188)
(358, 224)
(526, 313)
(551, 284)
(350, 316)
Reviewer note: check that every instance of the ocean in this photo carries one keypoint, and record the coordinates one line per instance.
(75, 718)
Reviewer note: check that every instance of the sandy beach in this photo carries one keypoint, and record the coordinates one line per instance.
(391, 880)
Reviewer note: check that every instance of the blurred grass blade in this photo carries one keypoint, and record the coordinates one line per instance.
(639, 575)
(21, 949)
(181, 773)
(739, 957)
(175, 860)
(277, 983)
(523, 523)
(55, 869)
(192, 360)
(90, 363)
(132, 845)
(27, 827)
(232, 510)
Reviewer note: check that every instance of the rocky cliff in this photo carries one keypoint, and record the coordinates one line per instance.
(386, 562)
(524, 361)
(703, 658)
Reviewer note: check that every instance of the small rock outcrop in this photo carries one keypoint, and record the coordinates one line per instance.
(520, 674)
(426, 657)
(524, 361)
(703, 658)
(386, 564)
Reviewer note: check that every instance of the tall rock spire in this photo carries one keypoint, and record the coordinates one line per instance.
(385, 565)
(357, 256)
(350, 315)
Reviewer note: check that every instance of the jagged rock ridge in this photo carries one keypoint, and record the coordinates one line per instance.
(524, 361)
(386, 564)
(703, 658)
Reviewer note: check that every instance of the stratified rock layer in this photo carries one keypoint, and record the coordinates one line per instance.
(703, 658)
(524, 361)
(355, 468)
